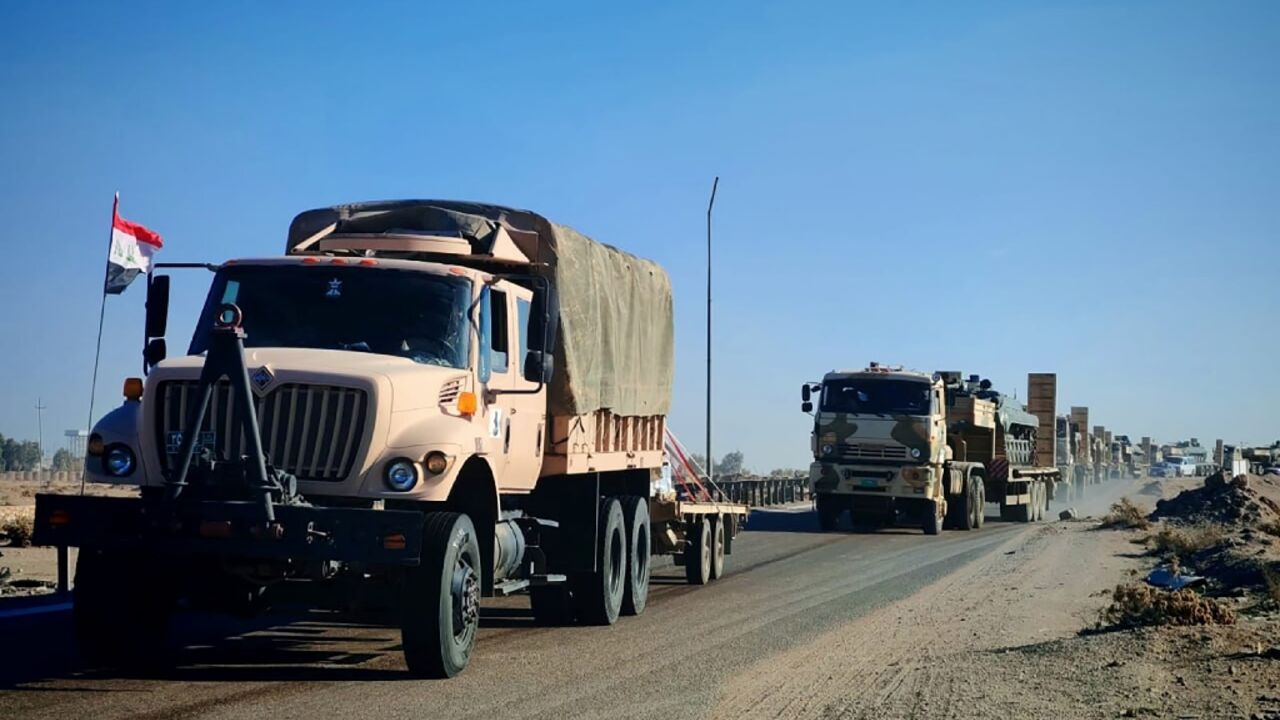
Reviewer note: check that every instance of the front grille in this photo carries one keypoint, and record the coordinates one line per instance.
(310, 431)
(870, 451)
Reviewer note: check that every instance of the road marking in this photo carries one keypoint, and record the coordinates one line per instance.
(35, 610)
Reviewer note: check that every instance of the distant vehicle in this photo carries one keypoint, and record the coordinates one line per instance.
(1159, 470)
(1179, 467)
(1273, 470)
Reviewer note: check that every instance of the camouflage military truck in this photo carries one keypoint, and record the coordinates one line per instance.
(1071, 457)
(894, 446)
(420, 404)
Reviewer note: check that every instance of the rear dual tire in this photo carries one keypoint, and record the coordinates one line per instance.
(121, 606)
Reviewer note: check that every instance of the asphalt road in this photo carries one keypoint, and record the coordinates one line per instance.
(786, 584)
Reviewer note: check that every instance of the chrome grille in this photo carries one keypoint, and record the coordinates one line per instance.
(871, 451)
(311, 431)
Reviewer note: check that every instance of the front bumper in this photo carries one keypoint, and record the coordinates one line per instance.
(228, 529)
(871, 480)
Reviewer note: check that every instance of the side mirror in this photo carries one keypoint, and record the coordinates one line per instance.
(805, 392)
(155, 351)
(538, 366)
(806, 406)
(157, 306)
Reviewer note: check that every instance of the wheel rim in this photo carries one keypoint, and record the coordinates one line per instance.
(464, 595)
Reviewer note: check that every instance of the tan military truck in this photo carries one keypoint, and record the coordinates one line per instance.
(422, 402)
(894, 446)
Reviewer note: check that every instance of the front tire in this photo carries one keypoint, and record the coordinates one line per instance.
(121, 609)
(932, 524)
(441, 613)
(829, 511)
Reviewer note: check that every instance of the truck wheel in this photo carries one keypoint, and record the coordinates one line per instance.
(697, 553)
(973, 507)
(717, 547)
(829, 511)
(441, 611)
(980, 508)
(598, 595)
(121, 609)
(932, 521)
(1041, 500)
(639, 552)
(552, 605)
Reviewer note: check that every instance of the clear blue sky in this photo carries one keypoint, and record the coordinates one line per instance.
(1086, 188)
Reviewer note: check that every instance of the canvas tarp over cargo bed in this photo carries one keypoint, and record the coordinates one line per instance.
(614, 348)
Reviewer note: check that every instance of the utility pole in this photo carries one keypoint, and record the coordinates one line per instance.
(711, 462)
(40, 408)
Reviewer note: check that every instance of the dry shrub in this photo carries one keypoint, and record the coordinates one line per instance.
(1271, 528)
(1139, 605)
(1125, 514)
(18, 530)
(1185, 541)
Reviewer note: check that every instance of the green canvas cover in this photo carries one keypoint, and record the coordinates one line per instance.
(615, 343)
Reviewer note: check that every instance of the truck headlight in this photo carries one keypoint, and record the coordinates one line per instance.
(828, 449)
(915, 453)
(118, 461)
(436, 462)
(401, 474)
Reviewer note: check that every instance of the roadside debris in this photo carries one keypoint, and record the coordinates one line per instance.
(1172, 577)
(1238, 500)
(1126, 516)
(1068, 514)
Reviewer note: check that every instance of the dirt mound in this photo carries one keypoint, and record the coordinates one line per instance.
(1139, 605)
(1249, 501)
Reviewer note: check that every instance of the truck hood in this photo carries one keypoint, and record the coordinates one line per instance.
(410, 385)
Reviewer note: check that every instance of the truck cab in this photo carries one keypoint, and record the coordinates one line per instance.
(879, 445)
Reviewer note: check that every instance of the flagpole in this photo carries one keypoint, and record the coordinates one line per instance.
(102, 316)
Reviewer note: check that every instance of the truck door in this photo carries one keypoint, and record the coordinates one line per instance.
(516, 420)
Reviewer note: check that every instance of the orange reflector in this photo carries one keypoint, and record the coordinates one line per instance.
(59, 518)
(457, 271)
(393, 541)
(338, 261)
(368, 261)
(309, 261)
(467, 403)
(215, 528)
(133, 389)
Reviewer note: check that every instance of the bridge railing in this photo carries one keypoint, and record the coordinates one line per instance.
(763, 491)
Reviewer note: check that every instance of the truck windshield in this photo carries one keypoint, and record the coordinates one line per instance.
(414, 315)
(875, 396)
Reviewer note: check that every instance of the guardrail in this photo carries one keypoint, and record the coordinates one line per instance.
(762, 491)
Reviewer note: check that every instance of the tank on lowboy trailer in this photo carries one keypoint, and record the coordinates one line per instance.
(451, 399)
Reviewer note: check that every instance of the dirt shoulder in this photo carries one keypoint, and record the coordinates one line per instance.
(1001, 637)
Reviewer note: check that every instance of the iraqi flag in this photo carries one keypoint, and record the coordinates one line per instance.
(132, 246)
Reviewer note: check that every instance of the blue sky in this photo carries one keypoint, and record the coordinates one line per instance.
(1086, 188)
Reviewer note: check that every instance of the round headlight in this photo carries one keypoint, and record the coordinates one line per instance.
(401, 474)
(118, 461)
(436, 462)
(915, 453)
(828, 450)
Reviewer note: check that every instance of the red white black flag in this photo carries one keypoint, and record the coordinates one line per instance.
(132, 246)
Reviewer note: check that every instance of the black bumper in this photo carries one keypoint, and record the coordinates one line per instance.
(230, 529)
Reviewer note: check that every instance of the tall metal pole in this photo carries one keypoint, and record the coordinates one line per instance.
(40, 408)
(102, 315)
(711, 463)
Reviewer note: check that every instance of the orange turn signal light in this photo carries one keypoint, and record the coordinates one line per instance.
(393, 541)
(133, 389)
(95, 446)
(467, 403)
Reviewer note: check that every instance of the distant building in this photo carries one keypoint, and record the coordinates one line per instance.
(77, 442)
